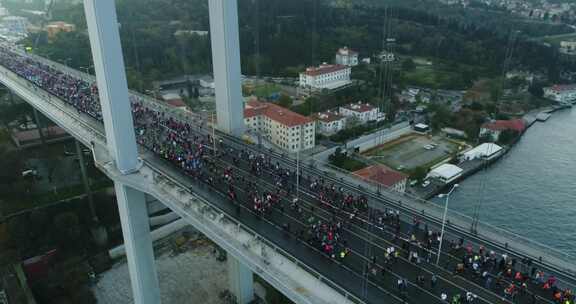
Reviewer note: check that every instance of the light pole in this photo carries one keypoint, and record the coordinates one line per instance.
(87, 69)
(447, 195)
(297, 172)
(214, 131)
(153, 93)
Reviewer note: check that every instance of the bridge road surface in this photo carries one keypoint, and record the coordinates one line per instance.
(467, 280)
(562, 268)
(362, 267)
(394, 200)
(359, 236)
(282, 220)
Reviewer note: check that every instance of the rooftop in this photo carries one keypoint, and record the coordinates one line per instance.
(447, 171)
(485, 149)
(500, 125)
(325, 69)
(178, 103)
(382, 175)
(276, 113)
(346, 51)
(563, 87)
(359, 107)
(30, 135)
(327, 116)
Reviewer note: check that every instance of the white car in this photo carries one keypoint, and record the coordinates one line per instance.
(425, 184)
(27, 173)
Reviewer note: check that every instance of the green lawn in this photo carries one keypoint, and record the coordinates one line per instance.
(439, 74)
(266, 89)
(555, 40)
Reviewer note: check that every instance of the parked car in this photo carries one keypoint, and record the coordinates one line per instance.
(425, 184)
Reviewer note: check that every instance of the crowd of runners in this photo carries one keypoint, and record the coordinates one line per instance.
(259, 183)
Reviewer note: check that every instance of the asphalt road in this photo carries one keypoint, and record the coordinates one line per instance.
(364, 238)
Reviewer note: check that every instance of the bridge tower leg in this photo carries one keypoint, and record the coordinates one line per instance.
(39, 126)
(226, 65)
(241, 281)
(121, 141)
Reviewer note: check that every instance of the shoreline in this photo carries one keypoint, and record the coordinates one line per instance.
(474, 166)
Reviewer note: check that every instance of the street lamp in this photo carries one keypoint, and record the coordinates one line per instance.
(447, 196)
(152, 92)
(87, 69)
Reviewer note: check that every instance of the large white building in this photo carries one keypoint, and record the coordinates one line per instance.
(326, 76)
(329, 122)
(346, 56)
(288, 130)
(486, 151)
(568, 47)
(364, 112)
(565, 94)
(15, 24)
(446, 173)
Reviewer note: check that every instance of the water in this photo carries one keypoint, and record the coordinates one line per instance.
(532, 190)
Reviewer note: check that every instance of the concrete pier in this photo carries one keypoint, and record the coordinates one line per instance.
(241, 281)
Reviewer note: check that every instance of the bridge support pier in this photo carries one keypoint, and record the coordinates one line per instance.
(138, 244)
(39, 126)
(85, 180)
(241, 281)
(226, 65)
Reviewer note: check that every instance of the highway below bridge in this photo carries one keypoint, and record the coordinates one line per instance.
(337, 243)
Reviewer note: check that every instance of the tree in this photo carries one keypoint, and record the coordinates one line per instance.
(536, 89)
(285, 101)
(507, 137)
(419, 174)
(68, 231)
(11, 163)
(408, 65)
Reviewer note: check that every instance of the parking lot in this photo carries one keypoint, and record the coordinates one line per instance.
(412, 151)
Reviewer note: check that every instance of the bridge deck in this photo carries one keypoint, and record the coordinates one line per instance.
(364, 238)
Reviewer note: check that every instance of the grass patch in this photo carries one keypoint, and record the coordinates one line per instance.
(343, 161)
(555, 40)
(266, 90)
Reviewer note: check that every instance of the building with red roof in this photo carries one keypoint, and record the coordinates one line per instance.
(364, 112)
(329, 122)
(175, 100)
(495, 128)
(384, 176)
(325, 76)
(282, 127)
(564, 94)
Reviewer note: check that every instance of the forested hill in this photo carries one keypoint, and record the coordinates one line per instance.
(293, 34)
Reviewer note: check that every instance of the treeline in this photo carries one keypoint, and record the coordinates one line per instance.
(281, 37)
